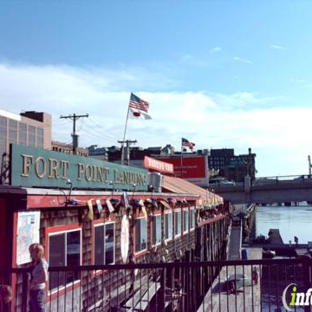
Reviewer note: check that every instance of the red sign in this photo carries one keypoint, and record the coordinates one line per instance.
(158, 165)
(193, 168)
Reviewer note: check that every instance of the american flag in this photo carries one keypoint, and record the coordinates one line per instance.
(187, 143)
(137, 103)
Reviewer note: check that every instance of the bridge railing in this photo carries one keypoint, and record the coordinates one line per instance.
(272, 180)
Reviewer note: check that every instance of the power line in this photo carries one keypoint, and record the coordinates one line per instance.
(74, 117)
(106, 132)
(58, 123)
(100, 136)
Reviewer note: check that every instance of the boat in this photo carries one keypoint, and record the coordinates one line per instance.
(267, 253)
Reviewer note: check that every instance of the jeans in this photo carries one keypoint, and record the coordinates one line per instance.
(37, 300)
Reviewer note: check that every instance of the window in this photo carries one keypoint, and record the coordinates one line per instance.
(40, 135)
(168, 225)
(3, 126)
(22, 133)
(156, 229)
(193, 218)
(32, 136)
(177, 219)
(104, 243)
(186, 222)
(3, 135)
(64, 250)
(12, 131)
(140, 234)
(3, 145)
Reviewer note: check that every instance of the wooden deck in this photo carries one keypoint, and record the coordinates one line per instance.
(142, 298)
(247, 297)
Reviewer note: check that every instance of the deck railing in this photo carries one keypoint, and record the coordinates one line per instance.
(176, 286)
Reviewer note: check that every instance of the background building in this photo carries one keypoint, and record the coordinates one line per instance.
(68, 149)
(136, 154)
(219, 159)
(240, 166)
(221, 164)
(29, 128)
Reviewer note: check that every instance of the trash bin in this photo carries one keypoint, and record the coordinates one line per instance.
(244, 254)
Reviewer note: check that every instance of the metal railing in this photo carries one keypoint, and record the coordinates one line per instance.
(244, 285)
(266, 181)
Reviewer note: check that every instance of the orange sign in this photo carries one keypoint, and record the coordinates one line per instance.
(157, 165)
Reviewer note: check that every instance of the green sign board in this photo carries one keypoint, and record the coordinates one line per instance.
(33, 167)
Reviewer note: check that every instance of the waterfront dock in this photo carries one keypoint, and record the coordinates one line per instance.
(247, 295)
(235, 243)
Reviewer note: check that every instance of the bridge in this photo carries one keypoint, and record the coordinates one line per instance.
(282, 189)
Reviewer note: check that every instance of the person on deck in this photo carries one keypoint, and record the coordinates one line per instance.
(255, 275)
(39, 278)
(5, 298)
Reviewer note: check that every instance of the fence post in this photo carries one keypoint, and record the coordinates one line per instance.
(25, 291)
(306, 263)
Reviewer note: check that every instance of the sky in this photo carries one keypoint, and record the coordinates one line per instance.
(222, 74)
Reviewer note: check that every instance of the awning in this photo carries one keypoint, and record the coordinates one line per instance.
(177, 185)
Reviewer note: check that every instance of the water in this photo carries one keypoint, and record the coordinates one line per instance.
(291, 221)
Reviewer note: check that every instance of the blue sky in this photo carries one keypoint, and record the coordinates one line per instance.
(223, 74)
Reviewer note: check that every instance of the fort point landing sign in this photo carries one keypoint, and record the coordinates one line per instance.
(44, 168)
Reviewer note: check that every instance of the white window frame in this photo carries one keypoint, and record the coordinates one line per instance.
(142, 248)
(64, 232)
(156, 240)
(168, 230)
(186, 220)
(104, 225)
(192, 219)
(177, 225)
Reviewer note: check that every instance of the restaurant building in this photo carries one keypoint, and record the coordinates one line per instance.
(91, 212)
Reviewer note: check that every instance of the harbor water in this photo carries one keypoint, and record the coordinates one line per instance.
(291, 221)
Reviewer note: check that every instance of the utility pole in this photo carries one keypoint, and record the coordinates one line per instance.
(128, 142)
(309, 160)
(74, 117)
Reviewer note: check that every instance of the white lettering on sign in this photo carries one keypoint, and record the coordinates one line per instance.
(158, 165)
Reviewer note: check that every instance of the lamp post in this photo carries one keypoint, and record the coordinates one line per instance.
(113, 187)
(309, 160)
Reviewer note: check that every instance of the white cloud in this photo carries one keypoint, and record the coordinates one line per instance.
(195, 60)
(242, 60)
(186, 57)
(298, 81)
(244, 100)
(215, 50)
(303, 83)
(277, 47)
(239, 120)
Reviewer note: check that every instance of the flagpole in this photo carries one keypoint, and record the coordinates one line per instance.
(181, 159)
(124, 138)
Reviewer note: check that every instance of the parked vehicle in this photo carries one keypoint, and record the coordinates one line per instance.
(221, 182)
